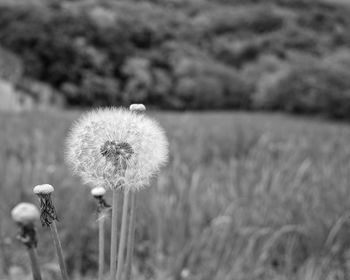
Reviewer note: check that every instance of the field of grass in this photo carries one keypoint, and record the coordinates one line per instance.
(244, 196)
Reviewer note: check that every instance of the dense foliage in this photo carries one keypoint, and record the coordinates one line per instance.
(186, 54)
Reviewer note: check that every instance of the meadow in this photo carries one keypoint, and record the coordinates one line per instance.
(244, 196)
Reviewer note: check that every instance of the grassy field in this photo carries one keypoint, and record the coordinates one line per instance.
(244, 196)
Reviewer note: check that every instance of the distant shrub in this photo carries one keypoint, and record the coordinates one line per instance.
(139, 80)
(42, 93)
(200, 92)
(60, 48)
(99, 91)
(11, 66)
(237, 52)
(9, 100)
(300, 39)
(210, 85)
(314, 89)
(264, 73)
(340, 60)
(258, 20)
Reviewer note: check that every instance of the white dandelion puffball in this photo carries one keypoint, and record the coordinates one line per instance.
(115, 146)
(43, 189)
(25, 213)
(98, 191)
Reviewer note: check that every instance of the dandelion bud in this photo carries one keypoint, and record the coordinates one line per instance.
(47, 209)
(98, 191)
(25, 214)
(138, 108)
(43, 189)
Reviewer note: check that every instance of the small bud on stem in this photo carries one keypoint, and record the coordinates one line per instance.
(138, 108)
(98, 194)
(25, 215)
(48, 217)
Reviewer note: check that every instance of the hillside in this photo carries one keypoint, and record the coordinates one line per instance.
(287, 55)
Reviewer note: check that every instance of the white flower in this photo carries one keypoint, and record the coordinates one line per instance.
(25, 213)
(112, 147)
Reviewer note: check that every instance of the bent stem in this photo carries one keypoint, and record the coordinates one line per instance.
(59, 250)
(131, 237)
(101, 244)
(34, 263)
(114, 229)
(122, 235)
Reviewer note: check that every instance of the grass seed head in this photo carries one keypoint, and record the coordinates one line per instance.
(114, 146)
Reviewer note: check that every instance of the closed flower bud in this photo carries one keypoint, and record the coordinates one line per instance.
(25, 214)
(138, 108)
(43, 189)
(47, 209)
(98, 192)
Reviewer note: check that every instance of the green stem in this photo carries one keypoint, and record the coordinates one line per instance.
(114, 229)
(59, 250)
(122, 235)
(131, 237)
(34, 263)
(101, 245)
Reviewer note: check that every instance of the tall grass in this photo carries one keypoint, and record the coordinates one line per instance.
(243, 197)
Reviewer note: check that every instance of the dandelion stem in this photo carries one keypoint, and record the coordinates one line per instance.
(101, 244)
(34, 263)
(122, 235)
(114, 229)
(131, 237)
(59, 250)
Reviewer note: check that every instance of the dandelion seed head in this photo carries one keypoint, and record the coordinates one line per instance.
(117, 154)
(115, 146)
(43, 189)
(98, 191)
(25, 213)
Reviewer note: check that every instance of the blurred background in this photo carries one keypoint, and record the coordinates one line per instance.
(255, 98)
